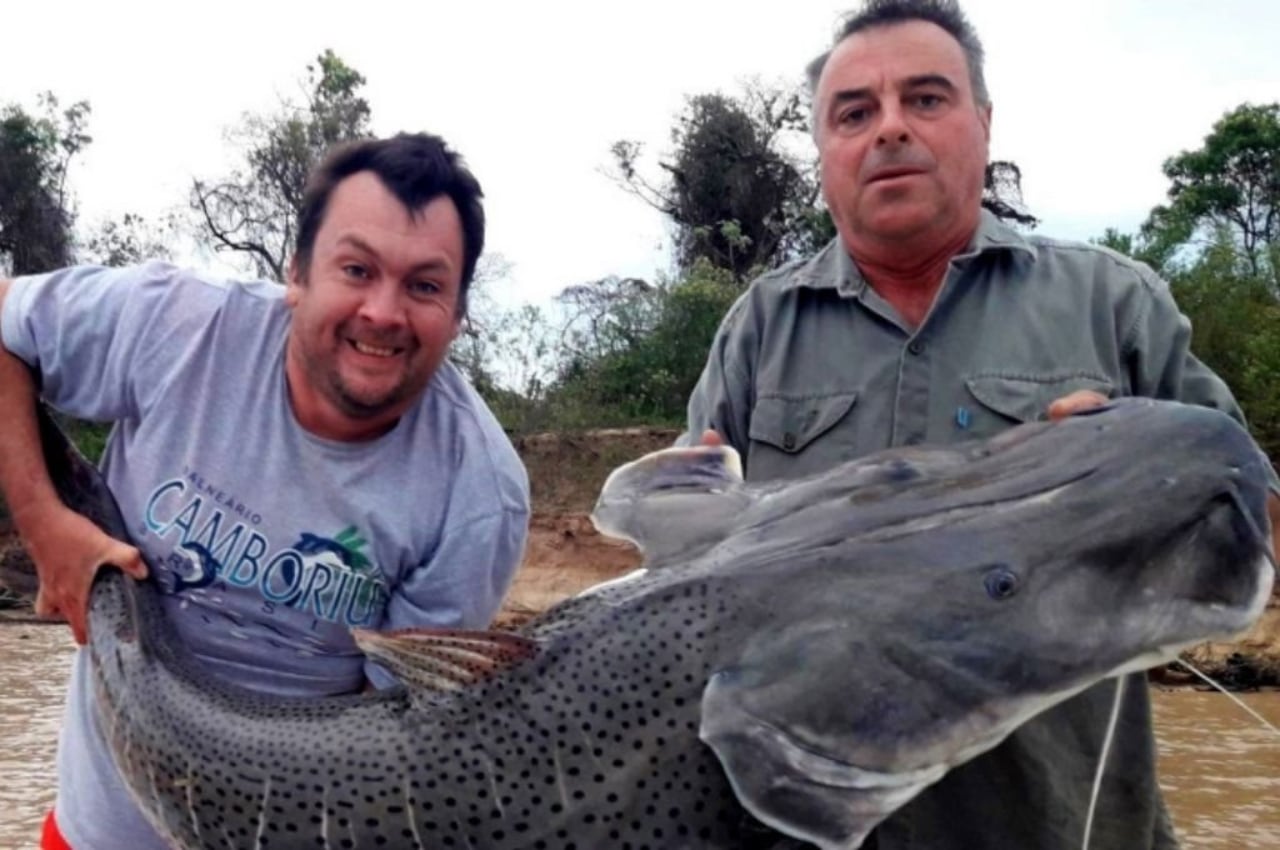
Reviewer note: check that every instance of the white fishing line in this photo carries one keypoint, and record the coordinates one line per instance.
(1255, 715)
(1102, 762)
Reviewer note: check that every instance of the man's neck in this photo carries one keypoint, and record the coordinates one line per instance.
(909, 276)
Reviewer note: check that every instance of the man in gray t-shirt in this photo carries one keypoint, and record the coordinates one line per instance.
(928, 321)
(292, 462)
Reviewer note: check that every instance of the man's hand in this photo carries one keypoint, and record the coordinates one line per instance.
(710, 438)
(67, 550)
(1074, 403)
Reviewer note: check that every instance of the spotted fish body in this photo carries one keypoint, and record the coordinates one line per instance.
(796, 662)
(534, 758)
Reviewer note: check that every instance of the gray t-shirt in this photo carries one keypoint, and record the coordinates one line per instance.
(272, 543)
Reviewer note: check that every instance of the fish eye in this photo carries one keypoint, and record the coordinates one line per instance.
(1000, 582)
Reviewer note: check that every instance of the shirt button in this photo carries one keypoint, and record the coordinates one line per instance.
(915, 346)
(788, 441)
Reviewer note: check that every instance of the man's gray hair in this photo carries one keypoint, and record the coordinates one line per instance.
(943, 13)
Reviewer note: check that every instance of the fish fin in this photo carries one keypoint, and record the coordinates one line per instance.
(678, 501)
(792, 788)
(444, 659)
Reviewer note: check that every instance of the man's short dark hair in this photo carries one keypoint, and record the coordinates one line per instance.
(415, 167)
(943, 13)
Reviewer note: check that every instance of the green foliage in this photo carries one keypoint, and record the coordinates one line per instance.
(36, 214)
(253, 211)
(1152, 249)
(739, 197)
(508, 357)
(1232, 181)
(636, 350)
(627, 353)
(1236, 330)
(1217, 242)
(89, 437)
(1121, 243)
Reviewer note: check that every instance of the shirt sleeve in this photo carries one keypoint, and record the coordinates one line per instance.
(1158, 350)
(91, 332)
(721, 400)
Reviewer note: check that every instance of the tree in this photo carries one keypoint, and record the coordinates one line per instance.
(1002, 193)
(253, 211)
(736, 194)
(1237, 329)
(1235, 316)
(36, 212)
(1158, 253)
(633, 351)
(125, 241)
(1232, 181)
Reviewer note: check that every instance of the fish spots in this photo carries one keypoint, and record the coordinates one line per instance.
(590, 742)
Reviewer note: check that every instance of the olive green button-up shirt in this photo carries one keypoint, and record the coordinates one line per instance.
(811, 367)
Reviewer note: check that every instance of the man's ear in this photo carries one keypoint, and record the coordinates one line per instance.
(984, 113)
(293, 283)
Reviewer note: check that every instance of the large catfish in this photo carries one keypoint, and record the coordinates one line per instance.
(795, 660)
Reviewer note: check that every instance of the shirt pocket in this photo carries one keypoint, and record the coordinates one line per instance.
(1008, 400)
(783, 427)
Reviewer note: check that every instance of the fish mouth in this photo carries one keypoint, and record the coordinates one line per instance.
(899, 783)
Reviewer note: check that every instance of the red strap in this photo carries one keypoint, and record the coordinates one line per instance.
(50, 837)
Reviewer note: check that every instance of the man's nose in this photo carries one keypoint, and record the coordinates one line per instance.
(383, 304)
(893, 129)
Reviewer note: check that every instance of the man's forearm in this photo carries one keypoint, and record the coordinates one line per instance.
(24, 479)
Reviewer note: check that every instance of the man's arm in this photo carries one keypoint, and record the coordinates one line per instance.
(1165, 367)
(66, 548)
(719, 410)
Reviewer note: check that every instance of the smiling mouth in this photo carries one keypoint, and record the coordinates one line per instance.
(374, 350)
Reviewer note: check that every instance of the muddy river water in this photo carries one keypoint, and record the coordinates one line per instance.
(1220, 768)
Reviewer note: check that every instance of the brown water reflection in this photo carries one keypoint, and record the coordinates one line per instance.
(1220, 769)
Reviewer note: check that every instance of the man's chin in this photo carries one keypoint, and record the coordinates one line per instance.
(364, 402)
(904, 222)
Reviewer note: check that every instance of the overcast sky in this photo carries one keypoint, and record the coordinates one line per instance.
(1090, 97)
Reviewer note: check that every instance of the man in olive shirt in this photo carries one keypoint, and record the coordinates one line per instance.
(928, 321)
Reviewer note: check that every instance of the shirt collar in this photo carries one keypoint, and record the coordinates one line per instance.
(833, 268)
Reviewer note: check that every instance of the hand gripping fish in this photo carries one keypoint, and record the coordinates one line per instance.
(794, 660)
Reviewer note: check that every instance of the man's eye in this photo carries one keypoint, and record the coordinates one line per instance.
(929, 101)
(355, 270)
(853, 116)
(424, 287)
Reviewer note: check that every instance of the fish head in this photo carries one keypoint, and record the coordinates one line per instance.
(943, 605)
(1065, 553)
